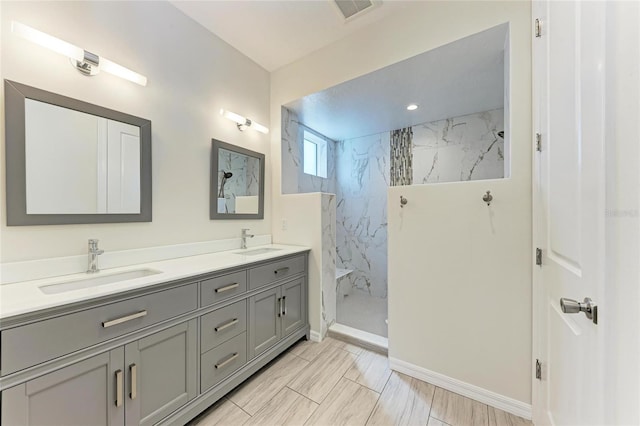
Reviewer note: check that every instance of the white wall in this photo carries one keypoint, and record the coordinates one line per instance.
(305, 227)
(419, 27)
(191, 74)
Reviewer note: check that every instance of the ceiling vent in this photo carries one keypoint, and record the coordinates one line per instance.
(351, 9)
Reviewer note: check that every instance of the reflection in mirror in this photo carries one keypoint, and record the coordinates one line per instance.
(79, 163)
(238, 177)
(69, 161)
(237, 182)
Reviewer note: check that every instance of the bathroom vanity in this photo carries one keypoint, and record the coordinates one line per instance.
(156, 349)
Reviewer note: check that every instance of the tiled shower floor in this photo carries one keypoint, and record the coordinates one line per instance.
(364, 312)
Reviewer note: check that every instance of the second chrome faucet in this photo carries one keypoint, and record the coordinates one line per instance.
(94, 252)
(245, 235)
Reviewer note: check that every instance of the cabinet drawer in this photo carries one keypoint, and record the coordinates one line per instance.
(220, 362)
(272, 272)
(221, 325)
(31, 344)
(220, 288)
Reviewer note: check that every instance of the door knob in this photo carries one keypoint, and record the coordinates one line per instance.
(590, 309)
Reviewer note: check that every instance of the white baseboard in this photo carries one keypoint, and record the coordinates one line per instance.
(485, 396)
(315, 336)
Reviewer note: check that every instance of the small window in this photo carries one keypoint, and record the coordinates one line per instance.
(310, 158)
(315, 155)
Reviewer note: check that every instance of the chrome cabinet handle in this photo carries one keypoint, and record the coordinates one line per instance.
(227, 361)
(281, 270)
(126, 318)
(226, 288)
(284, 305)
(229, 324)
(279, 306)
(588, 306)
(133, 369)
(118, 388)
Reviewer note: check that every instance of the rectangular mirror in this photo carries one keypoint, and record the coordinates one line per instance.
(237, 182)
(71, 162)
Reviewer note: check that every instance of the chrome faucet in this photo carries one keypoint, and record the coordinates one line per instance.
(245, 235)
(94, 252)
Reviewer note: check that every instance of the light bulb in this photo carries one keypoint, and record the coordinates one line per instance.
(122, 72)
(50, 42)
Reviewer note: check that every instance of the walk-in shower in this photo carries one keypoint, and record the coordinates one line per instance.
(358, 138)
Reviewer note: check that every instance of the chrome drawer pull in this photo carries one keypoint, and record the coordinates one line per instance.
(120, 320)
(226, 288)
(284, 304)
(118, 388)
(227, 361)
(279, 306)
(229, 324)
(281, 270)
(134, 381)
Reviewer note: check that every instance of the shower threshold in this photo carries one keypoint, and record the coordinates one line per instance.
(362, 338)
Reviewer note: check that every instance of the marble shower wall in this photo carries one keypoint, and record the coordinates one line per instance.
(245, 179)
(363, 174)
(294, 180)
(459, 149)
(328, 220)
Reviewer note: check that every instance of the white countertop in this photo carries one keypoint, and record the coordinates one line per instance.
(25, 297)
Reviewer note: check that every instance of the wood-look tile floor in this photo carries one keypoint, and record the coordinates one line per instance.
(337, 383)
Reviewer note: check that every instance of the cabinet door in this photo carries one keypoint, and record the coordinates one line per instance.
(82, 394)
(160, 373)
(264, 317)
(294, 312)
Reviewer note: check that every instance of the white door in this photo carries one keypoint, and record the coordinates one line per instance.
(123, 168)
(587, 210)
(569, 201)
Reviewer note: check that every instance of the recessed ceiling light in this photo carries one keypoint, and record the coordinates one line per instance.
(412, 107)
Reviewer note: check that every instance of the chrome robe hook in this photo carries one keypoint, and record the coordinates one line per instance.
(487, 198)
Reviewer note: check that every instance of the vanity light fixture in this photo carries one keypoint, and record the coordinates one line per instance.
(412, 107)
(243, 122)
(84, 61)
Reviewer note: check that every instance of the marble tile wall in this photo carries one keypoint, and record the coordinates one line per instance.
(363, 173)
(294, 180)
(245, 179)
(328, 220)
(456, 149)
(459, 149)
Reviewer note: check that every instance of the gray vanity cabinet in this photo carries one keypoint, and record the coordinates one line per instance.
(161, 373)
(82, 394)
(265, 325)
(137, 384)
(276, 313)
(156, 356)
(294, 311)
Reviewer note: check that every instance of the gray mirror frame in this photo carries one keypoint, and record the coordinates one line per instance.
(216, 145)
(15, 95)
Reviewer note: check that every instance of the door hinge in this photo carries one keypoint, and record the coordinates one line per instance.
(538, 142)
(538, 28)
(538, 370)
(538, 256)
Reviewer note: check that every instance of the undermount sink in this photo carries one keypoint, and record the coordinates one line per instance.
(96, 281)
(255, 252)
